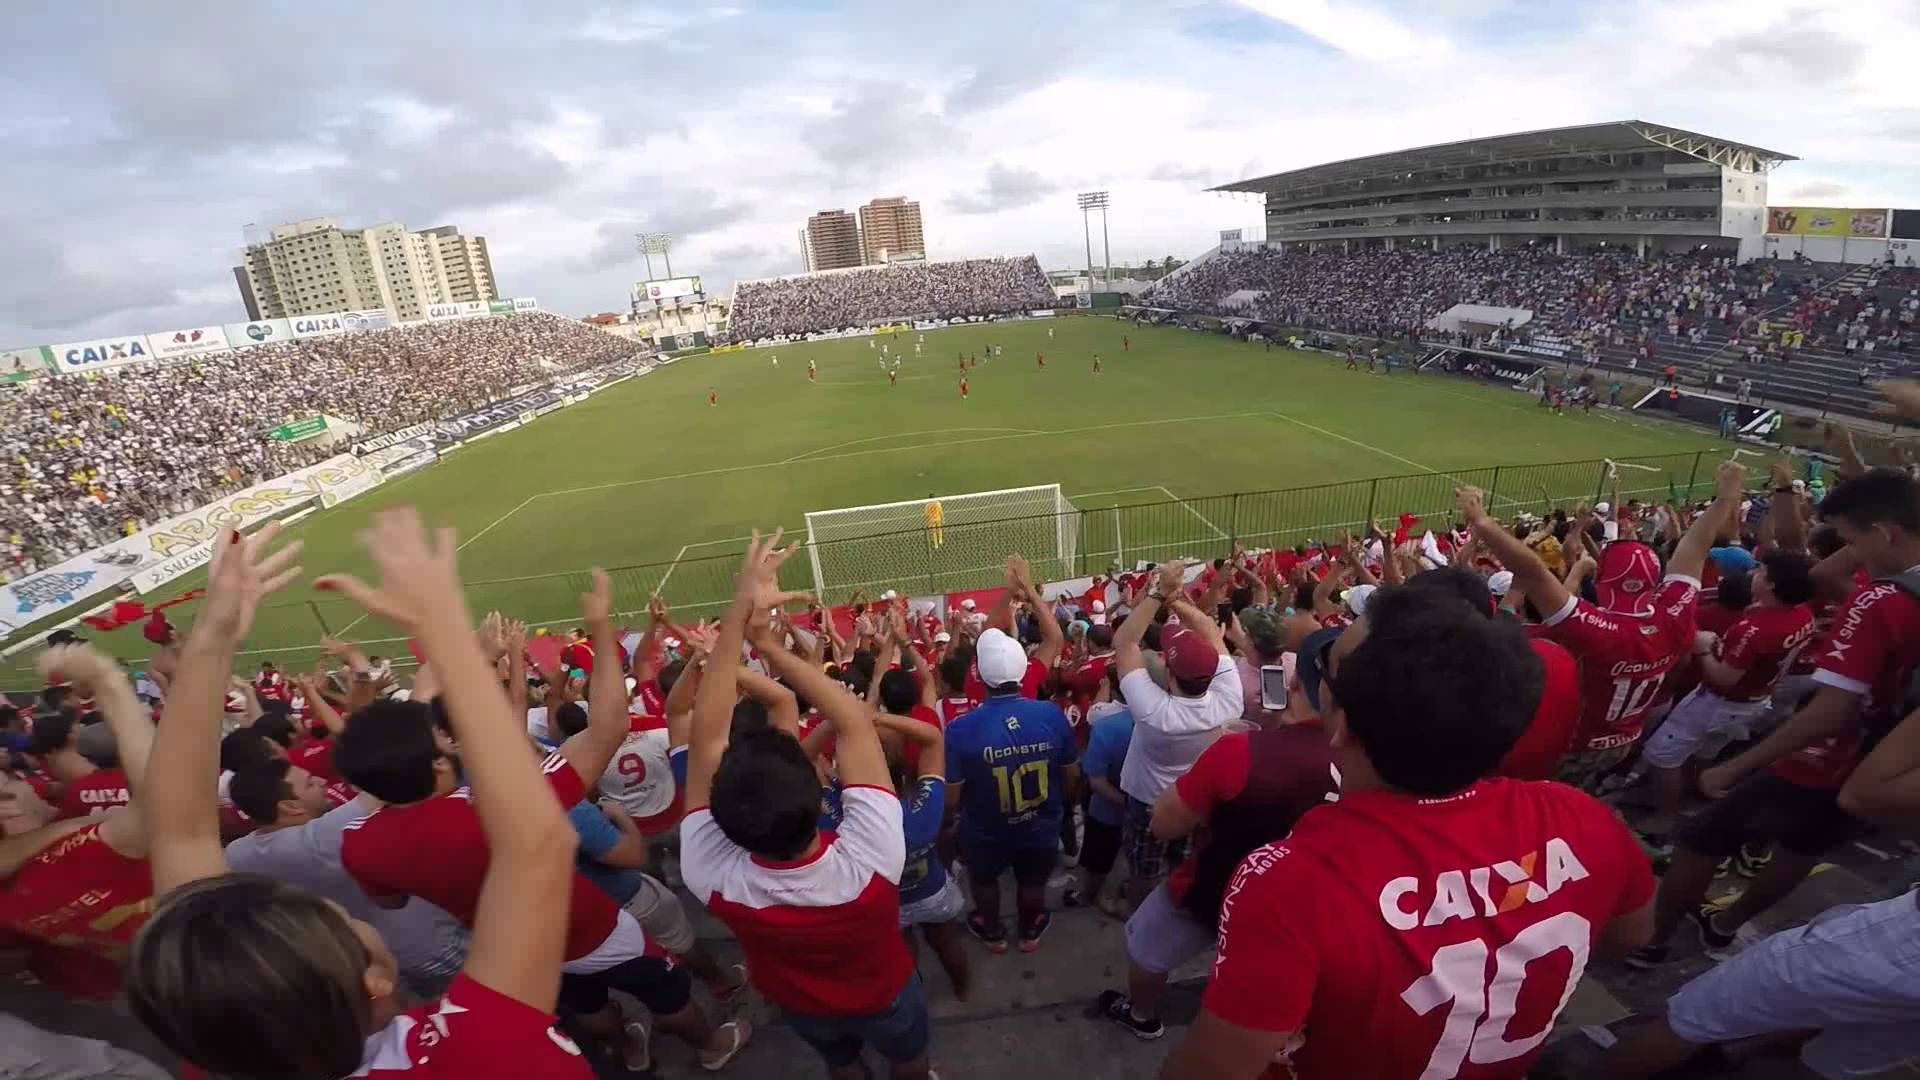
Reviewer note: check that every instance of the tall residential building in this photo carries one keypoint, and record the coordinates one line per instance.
(313, 267)
(833, 241)
(890, 228)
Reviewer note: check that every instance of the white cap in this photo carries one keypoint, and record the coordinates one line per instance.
(967, 604)
(1358, 596)
(999, 658)
(1603, 509)
(942, 638)
(1099, 607)
(1499, 582)
(888, 595)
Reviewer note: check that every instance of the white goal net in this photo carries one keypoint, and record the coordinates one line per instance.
(944, 543)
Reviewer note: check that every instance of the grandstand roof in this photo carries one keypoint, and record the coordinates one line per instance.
(1613, 137)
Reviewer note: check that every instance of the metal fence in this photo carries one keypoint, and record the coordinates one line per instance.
(1108, 537)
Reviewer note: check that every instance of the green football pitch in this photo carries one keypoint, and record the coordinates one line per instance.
(648, 477)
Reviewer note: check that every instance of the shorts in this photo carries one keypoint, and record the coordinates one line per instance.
(1700, 727)
(659, 913)
(656, 982)
(986, 860)
(1162, 935)
(1148, 857)
(1584, 768)
(1099, 846)
(899, 1032)
(1853, 972)
(943, 906)
(1803, 820)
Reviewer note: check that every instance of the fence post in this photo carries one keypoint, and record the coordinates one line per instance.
(1599, 483)
(1373, 489)
(1493, 490)
(1693, 473)
(1233, 520)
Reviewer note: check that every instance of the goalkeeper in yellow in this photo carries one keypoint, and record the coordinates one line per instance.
(936, 522)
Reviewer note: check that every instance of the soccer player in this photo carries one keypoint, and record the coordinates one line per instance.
(712, 397)
(1125, 344)
(776, 359)
(963, 388)
(963, 365)
(937, 514)
(1627, 644)
(1432, 921)
(1096, 363)
(1040, 359)
(1010, 763)
(893, 375)
(811, 370)
(1049, 333)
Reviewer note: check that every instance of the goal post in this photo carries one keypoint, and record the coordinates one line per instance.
(944, 543)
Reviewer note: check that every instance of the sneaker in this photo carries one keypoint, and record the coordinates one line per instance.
(737, 1032)
(741, 982)
(995, 936)
(639, 1055)
(1118, 1009)
(1747, 862)
(1071, 897)
(1030, 933)
(1712, 938)
(1647, 957)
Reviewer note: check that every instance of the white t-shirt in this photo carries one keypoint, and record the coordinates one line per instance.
(1169, 732)
(640, 777)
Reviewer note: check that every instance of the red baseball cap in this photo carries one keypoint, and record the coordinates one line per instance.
(1626, 577)
(1188, 655)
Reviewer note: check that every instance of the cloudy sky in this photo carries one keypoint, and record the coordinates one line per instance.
(141, 137)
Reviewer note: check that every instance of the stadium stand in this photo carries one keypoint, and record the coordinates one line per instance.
(865, 296)
(92, 459)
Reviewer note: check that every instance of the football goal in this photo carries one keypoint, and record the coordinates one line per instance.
(944, 543)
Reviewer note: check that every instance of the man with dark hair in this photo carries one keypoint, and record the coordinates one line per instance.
(1010, 764)
(1737, 675)
(1861, 671)
(1171, 725)
(1631, 640)
(1391, 932)
(427, 842)
(816, 913)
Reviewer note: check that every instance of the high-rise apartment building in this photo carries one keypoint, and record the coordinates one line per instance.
(890, 228)
(313, 267)
(833, 241)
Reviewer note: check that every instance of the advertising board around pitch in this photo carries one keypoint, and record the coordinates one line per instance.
(192, 341)
(241, 335)
(102, 354)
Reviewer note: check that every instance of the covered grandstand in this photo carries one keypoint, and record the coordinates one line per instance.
(1646, 187)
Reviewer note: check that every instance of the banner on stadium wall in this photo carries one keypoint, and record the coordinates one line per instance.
(313, 326)
(499, 307)
(355, 322)
(495, 416)
(736, 347)
(366, 480)
(1229, 236)
(300, 429)
(380, 442)
(525, 303)
(241, 335)
(19, 365)
(101, 354)
(442, 312)
(1906, 224)
(192, 341)
(470, 309)
(1826, 221)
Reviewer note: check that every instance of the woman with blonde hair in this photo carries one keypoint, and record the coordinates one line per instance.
(244, 976)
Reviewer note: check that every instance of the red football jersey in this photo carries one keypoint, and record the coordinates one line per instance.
(437, 851)
(1871, 650)
(1624, 659)
(98, 790)
(1537, 754)
(1083, 685)
(1762, 641)
(953, 708)
(315, 756)
(1444, 935)
(472, 1031)
(79, 893)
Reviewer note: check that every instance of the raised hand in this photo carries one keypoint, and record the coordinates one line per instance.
(89, 670)
(1730, 479)
(702, 637)
(596, 607)
(514, 634)
(492, 634)
(1173, 577)
(1902, 397)
(244, 573)
(1019, 573)
(759, 580)
(1471, 502)
(419, 573)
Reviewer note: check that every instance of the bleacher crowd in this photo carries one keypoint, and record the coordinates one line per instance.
(90, 459)
(838, 299)
(1333, 766)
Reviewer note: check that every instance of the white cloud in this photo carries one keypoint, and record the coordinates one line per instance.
(1356, 30)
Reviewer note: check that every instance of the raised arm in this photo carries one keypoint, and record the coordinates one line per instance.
(318, 706)
(590, 750)
(783, 708)
(182, 820)
(856, 747)
(1052, 641)
(97, 677)
(1690, 556)
(756, 587)
(1548, 593)
(931, 740)
(529, 840)
(1126, 640)
(1783, 511)
(515, 633)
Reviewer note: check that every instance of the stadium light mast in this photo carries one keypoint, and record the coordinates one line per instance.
(1090, 201)
(655, 243)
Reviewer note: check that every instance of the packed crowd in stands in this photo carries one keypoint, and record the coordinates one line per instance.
(1585, 306)
(837, 299)
(88, 460)
(1332, 766)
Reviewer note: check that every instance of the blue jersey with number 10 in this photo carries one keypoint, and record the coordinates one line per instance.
(1008, 753)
